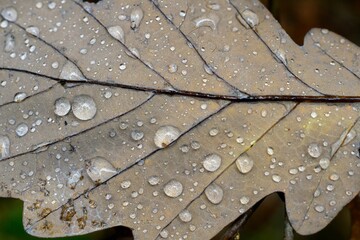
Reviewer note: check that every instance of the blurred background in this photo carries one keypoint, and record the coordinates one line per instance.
(297, 17)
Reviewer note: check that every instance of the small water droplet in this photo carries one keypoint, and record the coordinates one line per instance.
(62, 106)
(117, 32)
(164, 234)
(166, 135)
(244, 163)
(334, 177)
(211, 20)
(213, 132)
(185, 216)
(4, 146)
(153, 180)
(314, 150)
(214, 193)
(212, 162)
(71, 72)
(135, 17)
(84, 107)
(74, 178)
(319, 208)
(324, 163)
(9, 14)
(22, 129)
(99, 169)
(244, 200)
(9, 43)
(33, 31)
(250, 17)
(173, 188)
(270, 151)
(172, 68)
(281, 55)
(195, 145)
(19, 97)
(276, 178)
(137, 135)
(125, 184)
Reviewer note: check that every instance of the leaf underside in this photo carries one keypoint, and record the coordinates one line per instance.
(241, 112)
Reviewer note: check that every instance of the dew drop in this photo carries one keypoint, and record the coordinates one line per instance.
(74, 178)
(185, 216)
(62, 106)
(9, 14)
(244, 163)
(319, 208)
(281, 55)
(117, 32)
(213, 132)
(211, 20)
(99, 169)
(84, 107)
(214, 193)
(71, 72)
(19, 97)
(314, 150)
(9, 43)
(172, 68)
(166, 135)
(4, 146)
(212, 162)
(324, 163)
(250, 17)
(276, 178)
(137, 135)
(173, 189)
(153, 180)
(33, 31)
(244, 200)
(22, 129)
(136, 16)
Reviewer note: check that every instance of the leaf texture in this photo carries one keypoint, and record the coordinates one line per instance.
(172, 117)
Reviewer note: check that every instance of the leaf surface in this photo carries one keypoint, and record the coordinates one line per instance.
(172, 117)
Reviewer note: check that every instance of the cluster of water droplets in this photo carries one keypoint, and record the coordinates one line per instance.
(83, 107)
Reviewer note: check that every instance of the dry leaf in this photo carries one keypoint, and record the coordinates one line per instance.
(172, 117)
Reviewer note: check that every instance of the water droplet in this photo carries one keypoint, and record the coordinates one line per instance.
(9, 14)
(9, 43)
(334, 177)
(195, 145)
(33, 31)
(164, 234)
(212, 162)
(117, 32)
(71, 72)
(125, 184)
(84, 107)
(135, 17)
(99, 169)
(211, 20)
(62, 106)
(244, 163)
(281, 55)
(319, 208)
(324, 163)
(244, 200)
(214, 193)
(166, 135)
(250, 17)
(276, 178)
(172, 68)
(314, 150)
(4, 146)
(185, 216)
(19, 97)
(349, 137)
(213, 132)
(22, 129)
(173, 189)
(153, 180)
(137, 135)
(74, 178)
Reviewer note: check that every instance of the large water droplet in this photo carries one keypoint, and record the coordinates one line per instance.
(250, 17)
(173, 188)
(9, 14)
(314, 150)
(99, 169)
(136, 16)
(19, 97)
(211, 20)
(22, 129)
(117, 32)
(324, 163)
(62, 106)
(212, 162)
(244, 163)
(185, 216)
(84, 107)
(4, 146)
(214, 193)
(71, 72)
(166, 135)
